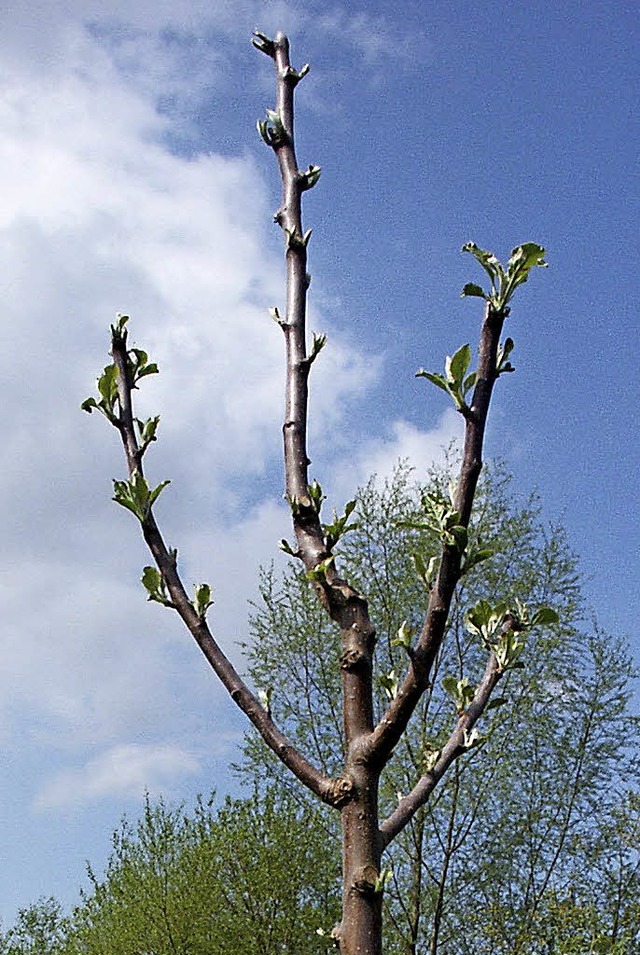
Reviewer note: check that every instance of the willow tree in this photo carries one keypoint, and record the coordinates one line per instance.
(367, 743)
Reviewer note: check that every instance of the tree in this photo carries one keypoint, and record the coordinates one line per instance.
(368, 742)
(39, 929)
(534, 817)
(212, 882)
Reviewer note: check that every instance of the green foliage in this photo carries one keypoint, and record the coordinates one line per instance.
(136, 495)
(138, 367)
(271, 129)
(154, 584)
(389, 683)
(455, 381)
(39, 929)
(212, 882)
(460, 692)
(318, 341)
(442, 520)
(339, 526)
(319, 572)
(108, 390)
(504, 282)
(405, 636)
(203, 599)
(310, 177)
(529, 807)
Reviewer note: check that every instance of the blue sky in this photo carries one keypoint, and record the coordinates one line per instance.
(134, 181)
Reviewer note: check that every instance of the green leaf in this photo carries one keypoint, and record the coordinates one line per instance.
(153, 496)
(136, 496)
(310, 177)
(473, 738)
(319, 572)
(381, 882)
(108, 386)
(471, 289)
(317, 497)
(437, 380)
(526, 257)
(151, 369)
(469, 382)
(459, 690)
(148, 431)
(389, 683)
(487, 260)
(203, 599)
(265, 697)
(152, 580)
(544, 616)
(118, 330)
(155, 586)
(460, 537)
(89, 404)
(285, 546)
(427, 572)
(404, 637)
(523, 258)
(496, 702)
(457, 365)
(317, 344)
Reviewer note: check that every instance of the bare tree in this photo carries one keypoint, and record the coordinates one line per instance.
(368, 745)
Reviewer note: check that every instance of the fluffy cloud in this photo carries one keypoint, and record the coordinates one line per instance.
(403, 442)
(101, 215)
(125, 772)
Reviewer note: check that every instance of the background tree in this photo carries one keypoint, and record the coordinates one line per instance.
(218, 881)
(369, 738)
(39, 929)
(536, 809)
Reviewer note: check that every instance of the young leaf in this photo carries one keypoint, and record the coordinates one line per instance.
(389, 683)
(310, 177)
(319, 573)
(544, 616)
(155, 586)
(265, 697)
(437, 380)
(471, 289)
(458, 364)
(203, 600)
(459, 690)
(285, 546)
(404, 637)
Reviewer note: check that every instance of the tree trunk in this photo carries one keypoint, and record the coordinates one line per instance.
(360, 932)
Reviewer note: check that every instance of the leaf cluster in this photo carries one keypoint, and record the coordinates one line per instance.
(136, 495)
(455, 381)
(504, 281)
(138, 366)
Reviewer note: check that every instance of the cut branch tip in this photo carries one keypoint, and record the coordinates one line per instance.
(263, 43)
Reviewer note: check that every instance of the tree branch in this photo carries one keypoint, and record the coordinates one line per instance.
(344, 604)
(456, 745)
(392, 725)
(332, 791)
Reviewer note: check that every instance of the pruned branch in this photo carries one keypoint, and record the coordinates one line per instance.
(167, 586)
(393, 723)
(460, 741)
(344, 604)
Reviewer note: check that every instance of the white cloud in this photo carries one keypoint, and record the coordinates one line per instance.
(125, 771)
(99, 216)
(379, 456)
